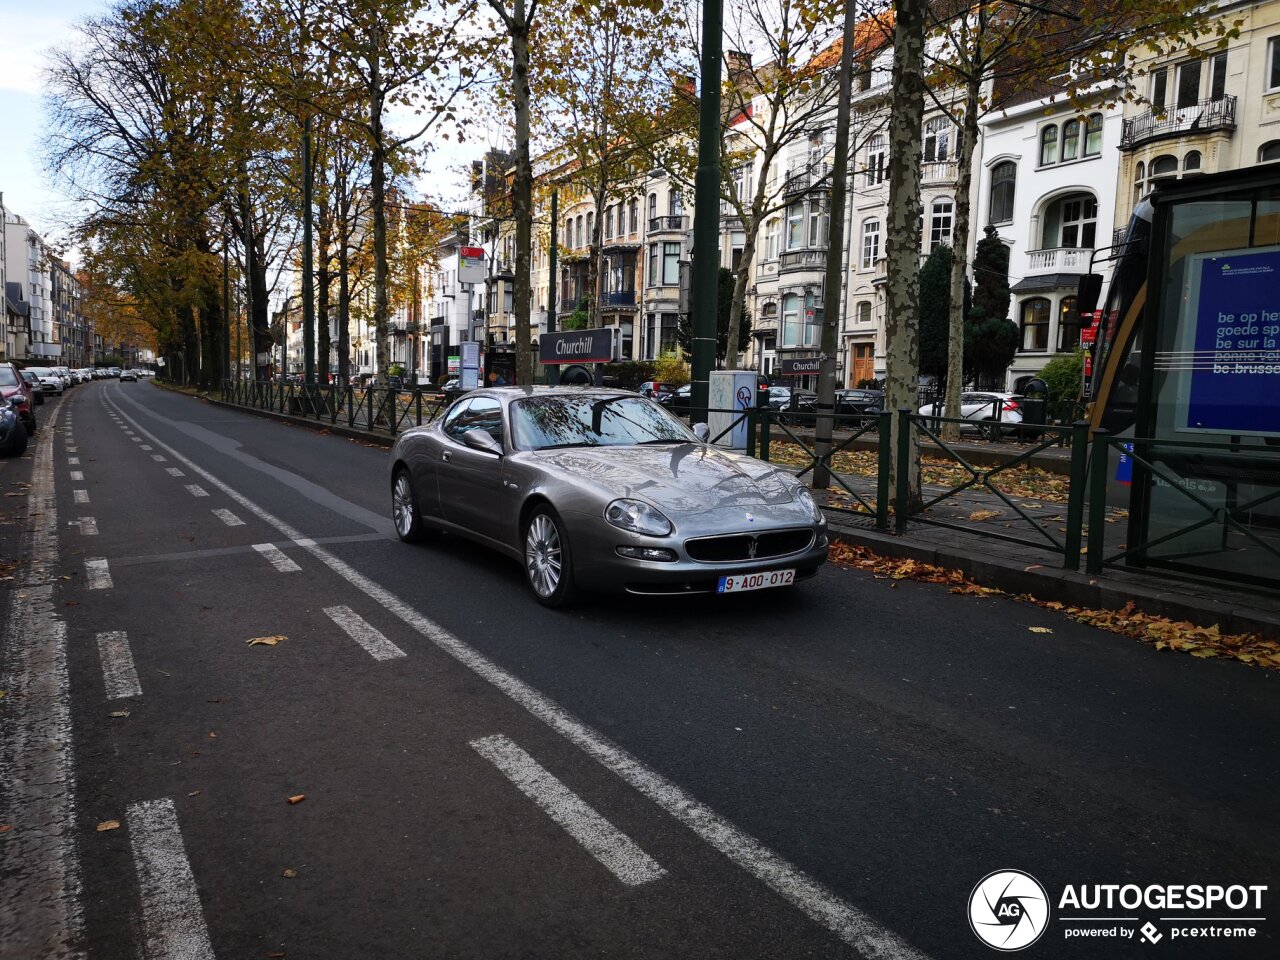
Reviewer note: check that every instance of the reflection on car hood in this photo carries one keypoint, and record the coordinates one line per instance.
(677, 478)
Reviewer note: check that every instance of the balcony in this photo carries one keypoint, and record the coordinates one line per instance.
(676, 224)
(817, 179)
(622, 242)
(1203, 117)
(796, 260)
(935, 172)
(618, 298)
(1072, 259)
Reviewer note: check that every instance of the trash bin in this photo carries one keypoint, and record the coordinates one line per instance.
(1035, 407)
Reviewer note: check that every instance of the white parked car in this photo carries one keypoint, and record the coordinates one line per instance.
(50, 382)
(993, 414)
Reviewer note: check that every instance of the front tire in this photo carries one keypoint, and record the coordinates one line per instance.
(548, 566)
(404, 508)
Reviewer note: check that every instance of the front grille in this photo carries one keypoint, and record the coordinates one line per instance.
(738, 546)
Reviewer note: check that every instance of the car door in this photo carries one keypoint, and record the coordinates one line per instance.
(472, 492)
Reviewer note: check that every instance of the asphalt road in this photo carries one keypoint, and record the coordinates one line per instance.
(821, 772)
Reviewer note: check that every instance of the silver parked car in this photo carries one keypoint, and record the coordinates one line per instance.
(603, 490)
(991, 413)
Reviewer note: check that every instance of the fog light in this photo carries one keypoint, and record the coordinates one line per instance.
(658, 554)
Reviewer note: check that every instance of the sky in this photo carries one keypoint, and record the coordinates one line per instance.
(30, 28)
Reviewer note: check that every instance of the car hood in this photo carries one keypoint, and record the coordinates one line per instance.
(681, 480)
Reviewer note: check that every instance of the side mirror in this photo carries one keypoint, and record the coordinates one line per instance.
(701, 431)
(483, 441)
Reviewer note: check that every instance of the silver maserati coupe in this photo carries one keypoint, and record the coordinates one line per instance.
(603, 490)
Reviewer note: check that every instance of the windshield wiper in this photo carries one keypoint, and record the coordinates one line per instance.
(655, 440)
(563, 446)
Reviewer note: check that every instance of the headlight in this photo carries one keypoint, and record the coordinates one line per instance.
(805, 499)
(635, 516)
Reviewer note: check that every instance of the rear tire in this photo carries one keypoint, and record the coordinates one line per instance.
(404, 508)
(991, 428)
(548, 565)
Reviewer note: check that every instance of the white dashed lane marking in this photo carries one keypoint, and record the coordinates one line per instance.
(73, 461)
(227, 517)
(99, 574)
(276, 557)
(119, 675)
(77, 475)
(81, 496)
(174, 472)
(88, 526)
(196, 490)
(173, 924)
(613, 848)
(158, 458)
(378, 646)
(145, 446)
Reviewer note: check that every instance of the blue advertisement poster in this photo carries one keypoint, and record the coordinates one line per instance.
(1234, 382)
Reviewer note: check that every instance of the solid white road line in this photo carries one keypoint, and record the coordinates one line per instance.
(77, 475)
(158, 458)
(602, 840)
(276, 557)
(174, 472)
(173, 923)
(814, 899)
(40, 896)
(99, 575)
(377, 646)
(227, 517)
(88, 526)
(119, 675)
(196, 490)
(81, 496)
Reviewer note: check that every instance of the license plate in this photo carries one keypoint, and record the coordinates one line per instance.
(756, 581)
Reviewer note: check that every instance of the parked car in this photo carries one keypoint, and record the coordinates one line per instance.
(34, 386)
(992, 414)
(113, 371)
(65, 373)
(17, 392)
(603, 490)
(50, 381)
(13, 435)
(656, 389)
(131, 375)
(678, 401)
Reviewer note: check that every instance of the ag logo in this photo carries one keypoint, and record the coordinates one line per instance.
(1008, 910)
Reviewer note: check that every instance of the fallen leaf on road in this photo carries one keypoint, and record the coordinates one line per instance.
(265, 641)
(108, 825)
(194, 793)
(212, 735)
(118, 713)
(290, 873)
(298, 798)
(984, 514)
(5, 827)
(1040, 629)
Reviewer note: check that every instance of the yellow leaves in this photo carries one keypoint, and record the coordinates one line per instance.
(265, 641)
(984, 514)
(1040, 629)
(296, 799)
(289, 873)
(106, 825)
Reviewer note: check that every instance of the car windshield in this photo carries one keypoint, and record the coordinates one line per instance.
(542, 423)
(41, 371)
(7, 377)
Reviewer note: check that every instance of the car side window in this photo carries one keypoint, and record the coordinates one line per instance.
(485, 413)
(455, 423)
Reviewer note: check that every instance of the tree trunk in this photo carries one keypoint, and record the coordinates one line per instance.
(324, 277)
(523, 190)
(902, 244)
(378, 202)
(595, 273)
(960, 250)
(738, 306)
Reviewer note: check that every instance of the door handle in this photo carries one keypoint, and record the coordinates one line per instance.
(446, 455)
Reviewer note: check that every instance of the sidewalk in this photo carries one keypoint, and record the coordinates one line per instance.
(1013, 567)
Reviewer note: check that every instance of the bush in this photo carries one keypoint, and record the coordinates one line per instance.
(1062, 375)
(670, 368)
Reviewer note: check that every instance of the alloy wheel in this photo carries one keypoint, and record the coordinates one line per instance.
(543, 555)
(402, 505)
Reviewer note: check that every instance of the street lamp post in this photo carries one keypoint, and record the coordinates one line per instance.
(706, 217)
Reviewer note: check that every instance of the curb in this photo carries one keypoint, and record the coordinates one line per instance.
(1068, 587)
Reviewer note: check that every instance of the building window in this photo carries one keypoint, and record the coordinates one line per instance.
(653, 206)
(1189, 84)
(1138, 185)
(817, 236)
(1191, 162)
(940, 219)
(1003, 178)
(1070, 139)
(1159, 87)
(1163, 168)
(1093, 135)
(863, 312)
(1068, 325)
(790, 320)
(1269, 152)
(795, 226)
(667, 336)
(1048, 145)
(870, 244)
(671, 264)
(578, 238)
(1273, 63)
(568, 232)
(675, 204)
(937, 139)
(877, 158)
(1035, 325)
(635, 216)
(772, 236)
(1218, 77)
(1079, 222)
(608, 223)
(591, 229)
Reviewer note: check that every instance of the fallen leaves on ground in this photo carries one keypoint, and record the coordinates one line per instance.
(985, 514)
(5, 827)
(290, 873)
(1161, 632)
(298, 798)
(265, 641)
(1021, 481)
(118, 714)
(106, 825)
